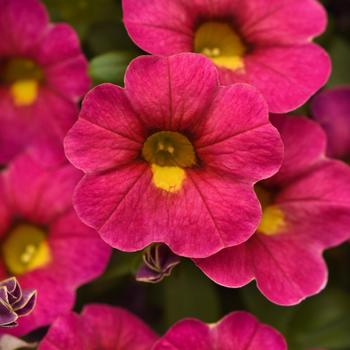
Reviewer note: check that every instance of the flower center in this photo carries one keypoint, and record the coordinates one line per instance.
(23, 77)
(219, 42)
(168, 153)
(273, 220)
(25, 249)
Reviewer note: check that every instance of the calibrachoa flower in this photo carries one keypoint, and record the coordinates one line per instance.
(173, 157)
(99, 327)
(264, 43)
(42, 75)
(43, 243)
(306, 209)
(331, 108)
(14, 302)
(238, 331)
(158, 262)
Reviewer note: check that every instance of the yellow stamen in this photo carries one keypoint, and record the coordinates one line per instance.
(168, 178)
(219, 42)
(25, 249)
(24, 92)
(272, 220)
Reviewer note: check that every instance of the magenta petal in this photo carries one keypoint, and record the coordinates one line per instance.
(48, 191)
(107, 130)
(132, 213)
(242, 331)
(184, 85)
(285, 75)
(22, 24)
(270, 22)
(317, 205)
(238, 331)
(331, 108)
(238, 136)
(99, 327)
(298, 133)
(151, 27)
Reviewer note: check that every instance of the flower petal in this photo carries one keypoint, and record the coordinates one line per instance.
(286, 76)
(171, 93)
(22, 24)
(331, 108)
(130, 212)
(239, 138)
(107, 133)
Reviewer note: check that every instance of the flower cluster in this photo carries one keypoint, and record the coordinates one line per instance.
(193, 158)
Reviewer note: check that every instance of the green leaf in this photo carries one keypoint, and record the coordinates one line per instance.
(189, 293)
(340, 54)
(110, 67)
(322, 322)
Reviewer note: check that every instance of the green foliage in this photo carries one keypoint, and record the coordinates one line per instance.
(188, 293)
(110, 67)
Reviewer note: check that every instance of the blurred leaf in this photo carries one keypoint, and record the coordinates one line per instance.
(108, 36)
(340, 54)
(189, 293)
(82, 13)
(110, 67)
(322, 322)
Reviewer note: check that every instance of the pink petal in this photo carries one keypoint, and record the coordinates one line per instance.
(152, 28)
(286, 268)
(99, 327)
(298, 133)
(107, 130)
(130, 213)
(270, 22)
(22, 24)
(242, 331)
(116, 326)
(237, 330)
(171, 93)
(188, 334)
(48, 191)
(286, 76)
(238, 137)
(331, 108)
(318, 205)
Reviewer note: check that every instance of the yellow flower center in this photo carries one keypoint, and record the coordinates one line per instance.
(23, 77)
(219, 42)
(273, 219)
(25, 249)
(168, 154)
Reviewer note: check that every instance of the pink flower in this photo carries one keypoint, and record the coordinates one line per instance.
(99, 327)
(238, 331)
(43, 243)
(265, 43)
(331, 108)
(43, 73)
(173, 157)
(306, 209)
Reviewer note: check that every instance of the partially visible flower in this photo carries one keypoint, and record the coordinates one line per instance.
(264, 43)
(306, 209)
(173, 157)
(331, 109)
(99, 327)
(43, 243)
(14, 302)
(158, 262)
(43, 73)
(236, 331)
